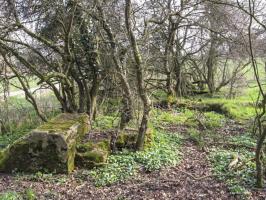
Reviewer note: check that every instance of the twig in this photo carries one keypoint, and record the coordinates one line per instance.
(197, 178)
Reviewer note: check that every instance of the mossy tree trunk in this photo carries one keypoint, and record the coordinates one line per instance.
(167, 57)
(140, 79)
(259, 163)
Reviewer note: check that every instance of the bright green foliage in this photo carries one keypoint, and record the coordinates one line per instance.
(241, 177)
(163, 152)
(120, 167)
(214, 120)
(240, 111)
(10, 196)
(174, 117)
(244, 140)
(28, 194)
(105, 122)
(235, 108)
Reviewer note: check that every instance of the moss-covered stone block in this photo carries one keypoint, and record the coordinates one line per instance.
(49, 148)
(92, 154)
(127, 140)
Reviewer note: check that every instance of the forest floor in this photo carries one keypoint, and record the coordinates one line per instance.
(191, 179)
(210, 143)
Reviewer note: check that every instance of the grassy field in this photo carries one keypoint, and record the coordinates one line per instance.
(18, 117)
(14, 84)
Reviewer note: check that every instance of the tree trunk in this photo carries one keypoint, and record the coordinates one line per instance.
(259, 163)
(127, 111)
(178, 74)
(140, 80)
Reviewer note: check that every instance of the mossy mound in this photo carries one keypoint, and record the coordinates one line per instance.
(94, 150)
(127, 140)
(92, 154)
(49, 148)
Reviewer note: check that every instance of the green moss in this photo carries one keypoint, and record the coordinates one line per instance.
(97, 156)
(71, 157)
(64, 121)
(126, 140)
(104, 145)
(92, 154)
(3, 157)
(91, 159)
(120, 142)
(84, 125)
(27, 156)
(82, 148)
(149, 139)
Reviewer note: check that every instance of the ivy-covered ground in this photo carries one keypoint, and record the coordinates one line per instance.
(199, 152)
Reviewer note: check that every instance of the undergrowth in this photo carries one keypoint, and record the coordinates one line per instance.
(28, 194)
(162, 118)
(236, 167)
(163, 152)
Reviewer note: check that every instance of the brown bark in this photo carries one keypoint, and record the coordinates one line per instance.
(259, 163)
(140, 80)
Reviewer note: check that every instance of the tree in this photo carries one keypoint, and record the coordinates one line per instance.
(140, 79)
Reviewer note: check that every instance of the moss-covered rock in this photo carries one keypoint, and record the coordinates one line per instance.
(127, 140)
(49, 148)
(92, 154)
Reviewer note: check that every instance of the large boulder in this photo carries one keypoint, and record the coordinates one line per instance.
(49, 148)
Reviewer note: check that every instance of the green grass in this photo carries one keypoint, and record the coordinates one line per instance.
(22, 118)
(14, 84)
(10, 195)
(214, 120)
(235, 108)
(173, 117)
